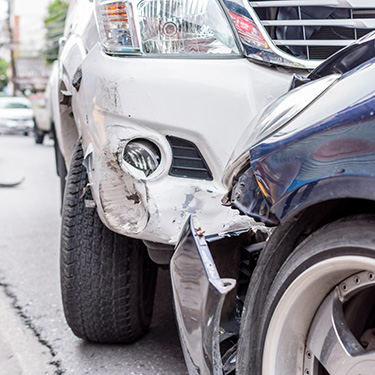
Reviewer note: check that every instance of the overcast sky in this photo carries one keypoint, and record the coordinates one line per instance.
(32, 13)
(36, 7)
(3, 8)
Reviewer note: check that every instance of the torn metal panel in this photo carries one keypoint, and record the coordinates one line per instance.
(199, 294)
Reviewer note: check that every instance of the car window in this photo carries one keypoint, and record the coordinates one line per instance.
(13, 105)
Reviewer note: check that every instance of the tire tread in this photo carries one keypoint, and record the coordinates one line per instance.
(99, 270)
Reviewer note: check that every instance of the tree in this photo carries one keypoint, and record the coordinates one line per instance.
(3, 73)
(54, 23)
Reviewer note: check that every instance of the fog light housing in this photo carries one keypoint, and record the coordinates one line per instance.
(143, 155)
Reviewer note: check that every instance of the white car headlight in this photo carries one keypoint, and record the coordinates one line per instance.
(191, 27)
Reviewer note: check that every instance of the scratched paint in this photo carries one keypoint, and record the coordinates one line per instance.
(109, 97)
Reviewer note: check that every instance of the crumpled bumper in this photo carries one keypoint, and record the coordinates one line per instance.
(199, 295)
(205, 102)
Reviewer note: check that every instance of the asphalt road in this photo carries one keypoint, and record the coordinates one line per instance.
(34, 337)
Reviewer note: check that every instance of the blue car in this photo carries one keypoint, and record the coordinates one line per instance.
(296, 293)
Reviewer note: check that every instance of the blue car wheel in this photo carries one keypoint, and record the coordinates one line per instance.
(315, 311)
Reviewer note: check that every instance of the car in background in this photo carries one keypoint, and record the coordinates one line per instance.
(16, 115)
(45, 109)
(42, 118)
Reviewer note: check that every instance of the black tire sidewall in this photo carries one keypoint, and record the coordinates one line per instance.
(38, 134)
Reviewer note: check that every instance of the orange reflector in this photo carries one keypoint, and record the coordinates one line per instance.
(114, 6)
(116, 12)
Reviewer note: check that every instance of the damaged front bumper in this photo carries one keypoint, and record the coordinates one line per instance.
(202, 102)
(199, 295)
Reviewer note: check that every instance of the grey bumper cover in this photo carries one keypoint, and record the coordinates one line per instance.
(199, 294)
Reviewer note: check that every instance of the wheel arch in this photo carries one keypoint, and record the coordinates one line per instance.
(297, 226)
(68, 128)
(72, 55)
(310, 193)
(281, 244)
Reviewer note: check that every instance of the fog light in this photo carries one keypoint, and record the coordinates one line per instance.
(143, 155)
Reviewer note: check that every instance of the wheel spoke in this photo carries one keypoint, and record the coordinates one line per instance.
(334, 345)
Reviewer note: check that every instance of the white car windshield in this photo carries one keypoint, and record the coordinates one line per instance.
(14, 105)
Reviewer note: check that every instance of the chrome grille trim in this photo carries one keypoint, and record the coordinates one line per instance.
(365, 23)
(326, 3)
(350, 19)
(301, 42)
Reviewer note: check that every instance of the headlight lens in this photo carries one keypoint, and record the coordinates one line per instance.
(170, 27)
(143, 155)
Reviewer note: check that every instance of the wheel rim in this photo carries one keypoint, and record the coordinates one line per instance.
(309, 332)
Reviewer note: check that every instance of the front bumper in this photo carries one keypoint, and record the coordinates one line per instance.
(199, 294)
(16, 127)
(153, 209)
(206, 102)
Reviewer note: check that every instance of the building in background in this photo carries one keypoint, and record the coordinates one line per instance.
(32, 74)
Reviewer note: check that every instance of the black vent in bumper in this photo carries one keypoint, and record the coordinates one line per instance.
(187, 160)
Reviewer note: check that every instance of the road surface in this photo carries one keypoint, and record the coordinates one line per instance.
(34, 337)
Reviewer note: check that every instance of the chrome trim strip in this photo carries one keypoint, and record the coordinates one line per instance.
(327, 3)
(302, 42)
(359, 23)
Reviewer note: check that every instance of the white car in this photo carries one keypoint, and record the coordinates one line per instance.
(16, 116)
(46, 109)
(152, 96)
